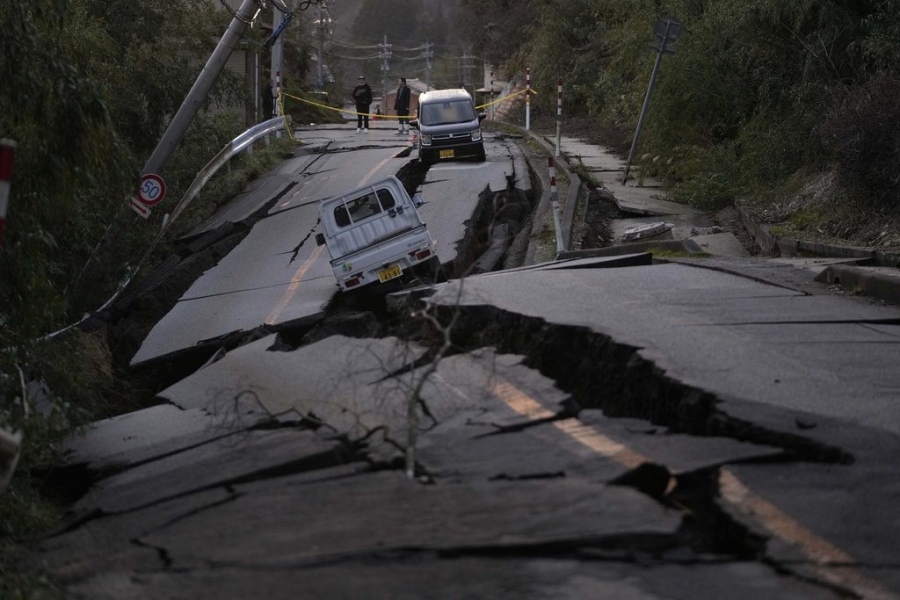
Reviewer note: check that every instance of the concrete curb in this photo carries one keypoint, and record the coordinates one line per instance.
(867, 280)
(875, 276)
(790, 247)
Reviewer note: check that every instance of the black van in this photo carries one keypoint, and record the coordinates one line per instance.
(449, 126)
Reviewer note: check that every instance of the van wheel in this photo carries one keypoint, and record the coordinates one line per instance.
(480, 156)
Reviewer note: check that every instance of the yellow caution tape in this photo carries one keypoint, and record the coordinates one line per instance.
(287, 123)
(341, 110)
(352, 112)
(508, 97)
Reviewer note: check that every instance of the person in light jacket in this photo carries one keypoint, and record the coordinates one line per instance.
(362, 95)
(401, 105)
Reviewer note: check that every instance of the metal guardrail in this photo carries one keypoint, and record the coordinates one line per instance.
(236, 146)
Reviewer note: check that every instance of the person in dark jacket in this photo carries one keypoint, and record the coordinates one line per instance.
(268, 101)
(362, 94)
(401, 105)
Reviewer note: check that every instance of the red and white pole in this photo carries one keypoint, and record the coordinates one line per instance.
(558, 114)
(277, 93)
(554, 199)
(278, 103)
(492, 95)
(7, 154)
(527, 99)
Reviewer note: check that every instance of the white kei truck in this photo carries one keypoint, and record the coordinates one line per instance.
(374, 234)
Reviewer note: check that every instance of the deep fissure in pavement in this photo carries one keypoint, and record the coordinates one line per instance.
(604, 374)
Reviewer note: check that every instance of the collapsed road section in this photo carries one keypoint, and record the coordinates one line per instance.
(588, 428)
(551, 450)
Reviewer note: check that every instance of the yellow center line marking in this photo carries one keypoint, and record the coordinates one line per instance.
(833, 562)
(373, 171)
(528, 407)
(736, 493)
(790, 531)
(291, 291)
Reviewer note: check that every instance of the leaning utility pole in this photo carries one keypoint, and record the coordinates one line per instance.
(666, 31)
(277, 61)
(152, 187)
(195, 98)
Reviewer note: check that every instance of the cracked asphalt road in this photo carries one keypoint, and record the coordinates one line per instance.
(602, 428)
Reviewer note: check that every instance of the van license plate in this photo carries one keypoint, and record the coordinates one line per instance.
(392, 272)
(447, 153)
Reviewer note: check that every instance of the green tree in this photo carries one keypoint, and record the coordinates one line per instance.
(68, 154)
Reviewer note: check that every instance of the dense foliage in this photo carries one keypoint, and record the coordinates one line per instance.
(756, 90)
(88, 89)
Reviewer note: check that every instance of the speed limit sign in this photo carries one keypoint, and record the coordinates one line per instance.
(152, 189)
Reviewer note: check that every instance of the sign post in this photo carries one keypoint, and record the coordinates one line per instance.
(667, 31)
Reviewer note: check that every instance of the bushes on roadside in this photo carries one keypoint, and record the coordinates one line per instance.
(740, 104)
(863, 132)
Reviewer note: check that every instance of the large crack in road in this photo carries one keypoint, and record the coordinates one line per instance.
(595, 371)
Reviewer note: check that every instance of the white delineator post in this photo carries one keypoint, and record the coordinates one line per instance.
(527, 99)
(7, 153)
(558, 114)
(554, 199)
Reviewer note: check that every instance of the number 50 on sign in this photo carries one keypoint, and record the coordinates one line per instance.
(152, 189)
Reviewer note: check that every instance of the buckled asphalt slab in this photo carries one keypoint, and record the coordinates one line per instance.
(228, 508)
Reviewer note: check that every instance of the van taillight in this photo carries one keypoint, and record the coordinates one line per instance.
(353, 281)
(420, 254)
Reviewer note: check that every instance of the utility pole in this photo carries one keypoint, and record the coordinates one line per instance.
(179, 124)
(200, 90)
(277, 61)
(325, 31)
(428, 54)
(385, 56)
(321, 28)
(466, 68)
